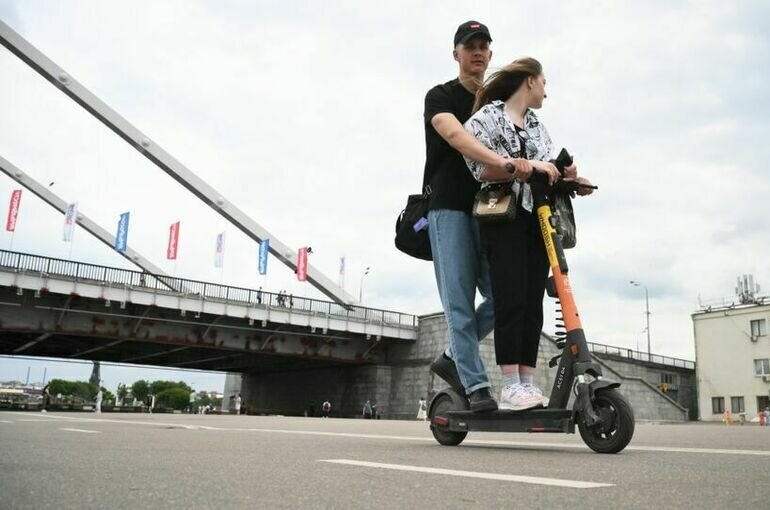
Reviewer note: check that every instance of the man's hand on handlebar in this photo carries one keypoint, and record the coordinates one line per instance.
(546, 168)
(520, 168)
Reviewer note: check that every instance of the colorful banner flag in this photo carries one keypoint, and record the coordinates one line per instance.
(70, 220)
(173, 241)
(342, 273)
(219, 255)
(302, 265)
(13, 210)
(121, 238)
(264, 249)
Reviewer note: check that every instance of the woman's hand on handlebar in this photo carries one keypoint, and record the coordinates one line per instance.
(570, 172)
(549, 169)
(584, 190)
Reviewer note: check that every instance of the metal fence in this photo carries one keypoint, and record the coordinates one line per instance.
(640, 356)
(115, 277)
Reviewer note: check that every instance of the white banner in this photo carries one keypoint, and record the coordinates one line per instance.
(70, 220)
(219, 254)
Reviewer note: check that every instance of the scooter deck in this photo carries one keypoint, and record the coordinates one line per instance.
(530, 420)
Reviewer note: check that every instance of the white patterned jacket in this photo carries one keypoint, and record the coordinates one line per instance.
(492, 126)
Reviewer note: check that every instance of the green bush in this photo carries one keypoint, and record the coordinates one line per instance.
(158, 387)
(175, 398)
(75, 390)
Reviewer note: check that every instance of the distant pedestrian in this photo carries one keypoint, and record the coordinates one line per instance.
(46, 398)
(192, 402)
(259, 296)
(422, 409)
(375, 412)
(326, 408)
(767, 416)
(367, 411)
(99, 397)
(238, 404)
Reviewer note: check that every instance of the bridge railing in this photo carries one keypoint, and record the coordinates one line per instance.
(194, 289)
(640, 356)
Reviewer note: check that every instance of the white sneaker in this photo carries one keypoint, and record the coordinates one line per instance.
(538, 393)
(518, 398)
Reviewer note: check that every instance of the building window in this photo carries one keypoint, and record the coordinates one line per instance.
(667, 378)
(718, 405)
(736, 404)
(758, 327)
(762, 366)
(763, 402)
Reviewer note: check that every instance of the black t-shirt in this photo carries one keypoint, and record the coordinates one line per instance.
(452, 184)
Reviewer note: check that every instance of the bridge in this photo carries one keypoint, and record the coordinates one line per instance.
(66, 309)
(62, 308)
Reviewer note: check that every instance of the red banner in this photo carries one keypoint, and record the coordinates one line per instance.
(13, 210)
(302, 265)
(173, 241)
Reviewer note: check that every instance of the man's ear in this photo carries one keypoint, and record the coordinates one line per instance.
(490, 55)
(454, 54)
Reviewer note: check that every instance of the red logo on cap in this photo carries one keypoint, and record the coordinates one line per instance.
(475, 26)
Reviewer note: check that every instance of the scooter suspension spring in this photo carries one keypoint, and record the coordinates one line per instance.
(559, 318)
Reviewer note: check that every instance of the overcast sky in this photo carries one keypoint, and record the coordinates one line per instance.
(308, 116)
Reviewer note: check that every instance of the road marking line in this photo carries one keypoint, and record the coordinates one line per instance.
(536, 480)
(35, 420)
(82, 430)
(479, 442)
(5, 421)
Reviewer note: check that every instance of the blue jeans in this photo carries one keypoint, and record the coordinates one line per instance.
(460, 268)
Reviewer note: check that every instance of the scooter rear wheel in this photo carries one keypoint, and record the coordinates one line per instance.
(616, 428)
(440, 407)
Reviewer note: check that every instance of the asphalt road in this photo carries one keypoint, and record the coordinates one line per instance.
(60, 460)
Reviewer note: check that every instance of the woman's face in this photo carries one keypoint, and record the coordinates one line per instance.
(537, 91)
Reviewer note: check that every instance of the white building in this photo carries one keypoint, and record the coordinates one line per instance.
(732, 357)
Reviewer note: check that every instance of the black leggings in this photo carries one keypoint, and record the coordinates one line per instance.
(518, 267)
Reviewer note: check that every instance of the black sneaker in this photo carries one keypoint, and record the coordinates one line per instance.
(482, 401)
(446, 369)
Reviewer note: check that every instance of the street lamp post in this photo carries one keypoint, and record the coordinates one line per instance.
(361, 285)
(647, 311)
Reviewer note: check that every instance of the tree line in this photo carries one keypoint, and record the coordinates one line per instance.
(168, 394)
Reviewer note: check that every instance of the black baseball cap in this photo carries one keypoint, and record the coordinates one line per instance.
(469, 29)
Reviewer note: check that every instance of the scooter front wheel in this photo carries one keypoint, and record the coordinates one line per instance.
(616, 425)
(438, 409)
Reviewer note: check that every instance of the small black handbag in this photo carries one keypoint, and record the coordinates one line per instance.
(412, 227)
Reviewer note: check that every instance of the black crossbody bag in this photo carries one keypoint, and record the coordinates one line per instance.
(412, 226)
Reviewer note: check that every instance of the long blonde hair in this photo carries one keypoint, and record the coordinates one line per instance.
(504, 83)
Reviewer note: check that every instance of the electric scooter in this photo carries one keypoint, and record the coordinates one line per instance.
(603, 416)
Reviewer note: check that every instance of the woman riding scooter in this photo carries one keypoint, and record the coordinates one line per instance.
(505, 122)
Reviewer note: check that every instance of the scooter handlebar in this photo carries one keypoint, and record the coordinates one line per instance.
(562, 161)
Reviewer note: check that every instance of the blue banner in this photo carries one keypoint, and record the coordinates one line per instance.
(121, 238)
(264, 248)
